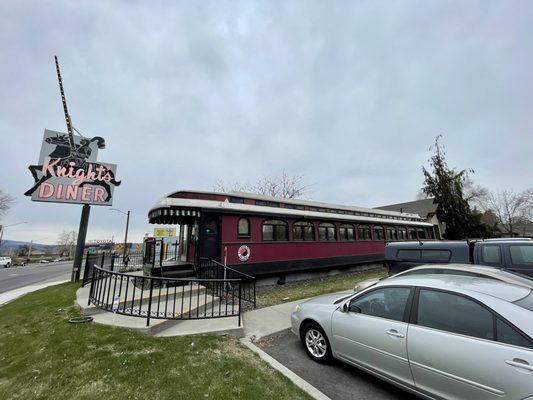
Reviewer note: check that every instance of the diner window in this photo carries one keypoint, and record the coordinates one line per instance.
(303, 230)
(347, 232)
(421, 234)
(392, 234)
(364, 232)
(402, 233)
(243, 227)
(412, 234)
(275, 230)
(326, 231)
(238, 200)
(378, 233)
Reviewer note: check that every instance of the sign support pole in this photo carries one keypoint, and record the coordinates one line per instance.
(80, 246)
(84, 221)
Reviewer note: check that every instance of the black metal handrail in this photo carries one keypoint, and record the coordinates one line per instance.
(211, 269)
(165, 298)
(113, 262)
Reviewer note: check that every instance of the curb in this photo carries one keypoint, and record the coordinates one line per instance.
(254, 338)
(301, 383)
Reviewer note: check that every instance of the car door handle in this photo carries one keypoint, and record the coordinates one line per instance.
(395, 333)
(519, 363)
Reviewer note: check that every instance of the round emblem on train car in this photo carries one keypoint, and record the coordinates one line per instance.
(243, 253)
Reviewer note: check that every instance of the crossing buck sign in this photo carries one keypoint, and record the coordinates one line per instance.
(68, 172)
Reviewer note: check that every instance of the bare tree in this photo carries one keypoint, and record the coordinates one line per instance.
(66, 242)
(476, 195)
(226, 187)
(6, 201)
(286, 186)
(510, 208)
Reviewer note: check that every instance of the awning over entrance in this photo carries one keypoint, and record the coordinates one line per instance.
(172, 215)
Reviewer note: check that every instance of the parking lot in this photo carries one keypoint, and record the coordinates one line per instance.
(337, 380)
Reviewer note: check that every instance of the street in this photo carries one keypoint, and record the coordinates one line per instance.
(338, 381)
(16, 277)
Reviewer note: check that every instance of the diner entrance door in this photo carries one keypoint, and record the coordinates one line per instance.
(210, 238)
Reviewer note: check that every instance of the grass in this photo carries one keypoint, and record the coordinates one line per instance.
(42, 356)
(269, 296)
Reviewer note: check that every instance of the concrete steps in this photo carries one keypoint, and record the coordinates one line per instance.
(191, 301)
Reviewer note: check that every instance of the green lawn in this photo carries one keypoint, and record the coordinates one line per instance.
(269, 296)
(42, 356)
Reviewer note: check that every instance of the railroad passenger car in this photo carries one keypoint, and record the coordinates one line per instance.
(262, 235)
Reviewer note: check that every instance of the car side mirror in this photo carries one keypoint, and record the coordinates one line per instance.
(346, 307)
(354, 309)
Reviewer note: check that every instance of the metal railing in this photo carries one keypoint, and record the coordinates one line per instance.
(165, 298)
(157, 253)
(211, 269)
(128, 263)
(112, 262)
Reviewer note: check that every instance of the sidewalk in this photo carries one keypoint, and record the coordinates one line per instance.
(262, 323)
(259, 324)
(6, 297)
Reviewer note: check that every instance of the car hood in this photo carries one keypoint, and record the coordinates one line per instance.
(328, 299)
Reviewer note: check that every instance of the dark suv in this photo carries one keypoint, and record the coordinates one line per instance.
(511, 254)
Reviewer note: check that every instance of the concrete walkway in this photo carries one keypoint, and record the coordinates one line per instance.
(268, 321)
(6, 297)
(259, 324)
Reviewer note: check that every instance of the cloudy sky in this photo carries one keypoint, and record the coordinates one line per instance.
(349, 94)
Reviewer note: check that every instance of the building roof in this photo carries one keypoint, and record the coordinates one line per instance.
(309, 203)
(171, 206)
(422, 207)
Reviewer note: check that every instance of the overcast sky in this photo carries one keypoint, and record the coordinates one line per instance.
(350, 94)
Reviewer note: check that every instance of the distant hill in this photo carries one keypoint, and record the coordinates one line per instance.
(11, 245)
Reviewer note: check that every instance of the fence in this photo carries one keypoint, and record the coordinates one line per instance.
(211, 269)
(165, 298)
(160, 254)
(111, 261)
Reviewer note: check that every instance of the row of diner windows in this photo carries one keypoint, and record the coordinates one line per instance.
(278, 230)
(301, 207)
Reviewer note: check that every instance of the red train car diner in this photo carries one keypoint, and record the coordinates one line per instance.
(262, 235)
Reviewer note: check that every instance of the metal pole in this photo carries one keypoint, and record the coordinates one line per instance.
(150, 302)
(126, 237)
(1, 234)
(65, 109)
(80, 246)
(29, 251)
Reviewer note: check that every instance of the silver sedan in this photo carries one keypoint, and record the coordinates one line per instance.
(437, 336)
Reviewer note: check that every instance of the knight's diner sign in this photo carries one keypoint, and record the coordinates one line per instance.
(66, 175)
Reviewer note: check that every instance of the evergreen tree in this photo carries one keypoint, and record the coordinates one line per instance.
(446, 185)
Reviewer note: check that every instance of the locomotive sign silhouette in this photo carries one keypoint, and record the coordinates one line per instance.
(67, 174)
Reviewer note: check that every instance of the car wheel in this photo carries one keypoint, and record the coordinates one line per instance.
(8, 265)
(316, 343)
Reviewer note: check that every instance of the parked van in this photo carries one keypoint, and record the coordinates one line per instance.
(5, 262)
(511, 254)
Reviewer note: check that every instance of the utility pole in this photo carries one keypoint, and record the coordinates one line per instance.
(3, 227)
(86, 210)
(29, 251)
(127, 226)
(126, 234)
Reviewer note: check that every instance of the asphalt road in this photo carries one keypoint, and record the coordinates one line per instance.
(337, 380)
(16, 277)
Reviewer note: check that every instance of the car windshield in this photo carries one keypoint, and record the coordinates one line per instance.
(526, 302)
